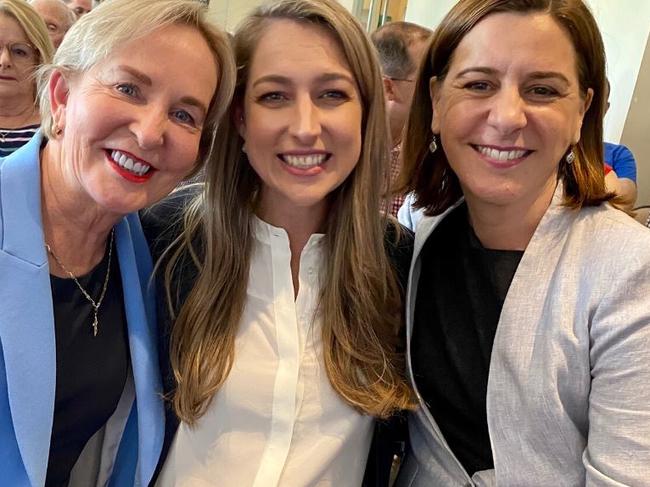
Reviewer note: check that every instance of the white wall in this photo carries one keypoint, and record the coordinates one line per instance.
(428, 13)
(228, 13)
(625, 26)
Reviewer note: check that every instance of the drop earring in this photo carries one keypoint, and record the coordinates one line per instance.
(433, 146)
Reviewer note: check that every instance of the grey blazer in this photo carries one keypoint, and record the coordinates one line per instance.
(568, 399)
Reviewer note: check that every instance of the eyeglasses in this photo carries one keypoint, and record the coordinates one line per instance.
(20, 52)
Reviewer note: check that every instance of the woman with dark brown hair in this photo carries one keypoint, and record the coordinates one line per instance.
(527, 345)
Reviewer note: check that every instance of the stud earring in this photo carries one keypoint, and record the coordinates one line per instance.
(433, 146)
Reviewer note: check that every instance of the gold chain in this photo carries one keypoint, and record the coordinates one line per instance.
(94, 304)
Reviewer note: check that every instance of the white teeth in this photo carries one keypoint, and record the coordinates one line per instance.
(125, 162)
(500, 155)
(306, 161)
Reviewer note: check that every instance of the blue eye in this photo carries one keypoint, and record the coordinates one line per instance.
(335, 95)
(183, 116)
(127, 89)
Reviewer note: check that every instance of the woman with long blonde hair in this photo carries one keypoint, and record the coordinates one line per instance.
(284, 283)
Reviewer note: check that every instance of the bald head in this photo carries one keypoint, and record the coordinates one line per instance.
(57, 16)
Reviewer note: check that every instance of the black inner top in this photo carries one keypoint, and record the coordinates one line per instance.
(90, 371)
(460, 294)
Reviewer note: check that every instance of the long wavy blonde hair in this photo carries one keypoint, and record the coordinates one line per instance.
(360, 299)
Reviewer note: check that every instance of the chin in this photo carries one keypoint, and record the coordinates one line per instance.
(118, 204)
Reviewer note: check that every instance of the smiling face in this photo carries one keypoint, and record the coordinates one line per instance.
(509, 109)
(132, 123)
(301, 119)
(16, 63)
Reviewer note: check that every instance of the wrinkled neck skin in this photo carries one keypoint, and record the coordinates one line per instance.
(18, 111)
(74, 226)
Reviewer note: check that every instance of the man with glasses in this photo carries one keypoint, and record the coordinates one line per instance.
(400, 46)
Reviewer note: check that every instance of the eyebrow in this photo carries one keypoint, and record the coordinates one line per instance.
(143, 78)
(284, 80)
(533, 75)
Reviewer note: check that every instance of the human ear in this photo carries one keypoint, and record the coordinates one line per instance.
(389, 89)
(58, 91)
(434, 95)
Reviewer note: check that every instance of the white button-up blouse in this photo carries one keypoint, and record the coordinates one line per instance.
(276, 421)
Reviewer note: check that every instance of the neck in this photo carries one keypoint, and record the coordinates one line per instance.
(300, 223)
(18, 111)
(75, 228)
(509, 227)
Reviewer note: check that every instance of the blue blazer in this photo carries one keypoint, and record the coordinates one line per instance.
(27, 343)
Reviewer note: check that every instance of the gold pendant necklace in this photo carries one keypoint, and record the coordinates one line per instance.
(94, 304)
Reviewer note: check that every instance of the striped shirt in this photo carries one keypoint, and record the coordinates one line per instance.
(12, 139)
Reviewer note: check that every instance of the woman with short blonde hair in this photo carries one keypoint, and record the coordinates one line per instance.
(80, 390)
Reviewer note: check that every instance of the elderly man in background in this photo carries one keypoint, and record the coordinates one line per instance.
(57, 17)
(400, 46)
(79, 7)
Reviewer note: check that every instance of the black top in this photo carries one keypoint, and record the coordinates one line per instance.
(460, 294)
(161, 225)
(90, 371)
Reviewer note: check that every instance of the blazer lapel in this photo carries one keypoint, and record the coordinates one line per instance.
(135, 266)
(518, 333)
(26, 313)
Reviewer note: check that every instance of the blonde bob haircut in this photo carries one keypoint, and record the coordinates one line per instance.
(33, 26)
(360, 301)
(430, 177)
(105, 29)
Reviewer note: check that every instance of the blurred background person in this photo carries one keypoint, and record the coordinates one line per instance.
(79, 7)
(25, 46)
(620, 171)
(528, 344)
(400, 46)
(122, 125)
(57, 16)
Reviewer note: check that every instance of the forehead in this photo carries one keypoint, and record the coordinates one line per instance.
(54, 10)
(165, 56)
(86, 4)
(531, 41)
(10, 28)
(289, 47)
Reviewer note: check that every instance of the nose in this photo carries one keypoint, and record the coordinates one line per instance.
(5, 57)
(305, 125)
(149, 127)
(508, 111)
